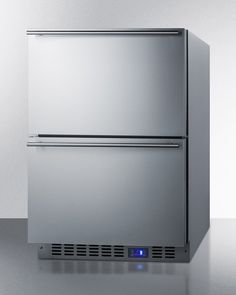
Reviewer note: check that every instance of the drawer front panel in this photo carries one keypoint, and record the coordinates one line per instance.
(107, 194)
(108, 84)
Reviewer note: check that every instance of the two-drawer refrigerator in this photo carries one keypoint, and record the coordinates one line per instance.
(118, 148)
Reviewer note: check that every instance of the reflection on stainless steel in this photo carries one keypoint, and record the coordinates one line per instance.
(211, 271)
(128, 181)
(87, 199)
(182, 279)
(107, 84)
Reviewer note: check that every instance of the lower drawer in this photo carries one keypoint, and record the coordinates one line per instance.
(91, 193)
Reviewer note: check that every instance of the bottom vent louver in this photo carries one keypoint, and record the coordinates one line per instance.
(56, 249)
(81, 250)
(170, 252)
(163, 252)
(118, 251)
(93, 250)
(156, 252)
(107, 251)
(68, 249)
(87, 250)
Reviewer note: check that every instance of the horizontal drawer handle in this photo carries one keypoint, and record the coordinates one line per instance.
(103, 32)
(132, 145)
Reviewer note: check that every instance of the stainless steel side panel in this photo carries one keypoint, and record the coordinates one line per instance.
(199, 140)
(122, 195)
(114, 84)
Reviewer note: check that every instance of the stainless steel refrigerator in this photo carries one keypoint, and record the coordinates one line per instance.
(118, 150)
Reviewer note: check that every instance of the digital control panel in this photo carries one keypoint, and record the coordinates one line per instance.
(138, 252)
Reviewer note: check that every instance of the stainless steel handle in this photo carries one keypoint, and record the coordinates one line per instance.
(136, 145)
(104, 32)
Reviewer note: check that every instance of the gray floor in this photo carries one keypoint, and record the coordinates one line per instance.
(212, 270)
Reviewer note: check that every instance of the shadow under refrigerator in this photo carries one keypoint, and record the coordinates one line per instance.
(118, 149)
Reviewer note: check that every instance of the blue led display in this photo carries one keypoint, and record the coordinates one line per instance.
(138, 252)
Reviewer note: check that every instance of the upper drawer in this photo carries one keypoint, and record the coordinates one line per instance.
(107, 84)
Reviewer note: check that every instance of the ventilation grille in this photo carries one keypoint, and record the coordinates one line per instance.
(93, 250)
(81, 250)
(87, 250)
(157, 252)
(68, 249)
(163, 252)
(118, 251)
(170, 252)
(56, 249)
(106, 251)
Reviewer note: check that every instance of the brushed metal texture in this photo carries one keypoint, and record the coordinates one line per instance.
(114, 84)
(107, 195)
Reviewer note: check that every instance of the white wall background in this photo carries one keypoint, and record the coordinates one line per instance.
(213, 21)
